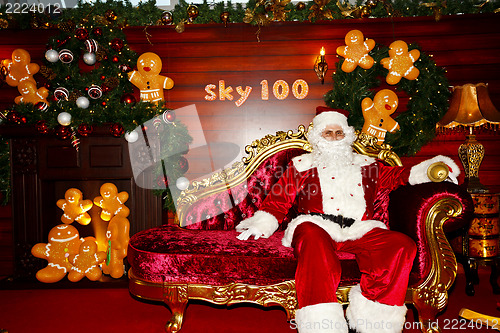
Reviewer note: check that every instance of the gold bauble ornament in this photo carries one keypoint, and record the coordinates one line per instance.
(365, 11)
(371, 3)
(4, 24)
(192, 12)
(300, 5)
(166, 18)
(180, 27)
(110, 15)
(224, 17)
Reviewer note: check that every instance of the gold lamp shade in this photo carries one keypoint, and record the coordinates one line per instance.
(470, 107)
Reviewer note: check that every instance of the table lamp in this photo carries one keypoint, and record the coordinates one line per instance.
(471, 108)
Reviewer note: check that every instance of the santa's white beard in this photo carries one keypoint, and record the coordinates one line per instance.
(332, 153)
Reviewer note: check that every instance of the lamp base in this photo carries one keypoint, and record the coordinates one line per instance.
(471, 154)
(473, 185)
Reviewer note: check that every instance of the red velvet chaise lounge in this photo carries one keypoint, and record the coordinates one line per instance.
(205, 261)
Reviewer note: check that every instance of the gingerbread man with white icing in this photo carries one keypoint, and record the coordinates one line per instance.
(377, 114)
(64, 240)
(112, 202)
(355, 52)
(148, 79)
(400, 63)
(74, 208)
(117, 236)
(31, 94)
(20, 68)
(86, 262)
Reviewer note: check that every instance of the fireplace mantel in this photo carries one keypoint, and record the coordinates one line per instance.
(43, 167)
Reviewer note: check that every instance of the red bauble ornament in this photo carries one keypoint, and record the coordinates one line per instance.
(63, 132)
(128, 99)
(103, 77)
(85, 129)
(41, 127)
(116, 130)
(162, 181)
(82, 34)
(13, 117)
(117, 44)
(23, 120)
(183, 164)
(169, 116)
(104, 103)
(115, 59)
(97, 31)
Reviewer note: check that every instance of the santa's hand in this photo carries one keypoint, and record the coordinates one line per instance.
(261, 224)
(251, 231)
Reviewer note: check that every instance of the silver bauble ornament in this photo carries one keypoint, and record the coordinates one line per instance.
(52, 55)
(89, 58)
(64, 118)
(82, 102)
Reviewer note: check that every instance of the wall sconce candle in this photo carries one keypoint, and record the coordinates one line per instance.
(320, 66)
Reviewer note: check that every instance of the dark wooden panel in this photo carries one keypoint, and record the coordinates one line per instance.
(106, 156)
(62, 157)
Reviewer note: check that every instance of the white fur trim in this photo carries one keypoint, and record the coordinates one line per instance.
(338, 234)
(342, 191)
(306, 161)
(368, 316)
(265, 222)
(303, 162)
(329, 118)
(323, 317)
(418, 173)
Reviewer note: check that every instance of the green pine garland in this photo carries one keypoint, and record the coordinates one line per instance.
(429, 95)
(147, 13)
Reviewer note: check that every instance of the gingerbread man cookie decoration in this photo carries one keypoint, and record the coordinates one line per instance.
(86, 262)
(31, 94)
(148, 79)
(112, 202)
(20, 68)
(74, 208)
(355, 52)
(64, 241)
(377, 114)
(400, 63)
(117, 236)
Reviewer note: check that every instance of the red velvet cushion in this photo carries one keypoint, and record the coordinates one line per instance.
(216, 257)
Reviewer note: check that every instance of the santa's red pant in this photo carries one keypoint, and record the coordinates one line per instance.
(384, 258)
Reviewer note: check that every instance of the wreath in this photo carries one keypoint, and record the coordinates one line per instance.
(427, 95)
(85, 71)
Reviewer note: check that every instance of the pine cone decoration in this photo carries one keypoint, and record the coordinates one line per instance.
(73, 96)
(47, 72)
(101, 54)
(67, 26)
(112, 82)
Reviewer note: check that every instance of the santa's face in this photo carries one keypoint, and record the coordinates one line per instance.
(332, 145)
(333, 132)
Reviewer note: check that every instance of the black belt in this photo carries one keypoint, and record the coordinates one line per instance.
(343, 222)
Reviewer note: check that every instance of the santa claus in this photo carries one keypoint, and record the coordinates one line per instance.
(334, 190)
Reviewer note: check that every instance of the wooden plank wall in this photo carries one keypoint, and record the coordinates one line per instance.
(468, 46)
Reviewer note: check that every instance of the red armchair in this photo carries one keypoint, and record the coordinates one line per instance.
(204, 260)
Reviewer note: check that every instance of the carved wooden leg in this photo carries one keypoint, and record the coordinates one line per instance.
(427, 302)
(494, 276)
(176, 298)
(469, 277)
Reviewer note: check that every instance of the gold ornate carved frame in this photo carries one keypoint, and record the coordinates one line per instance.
(429, 297)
